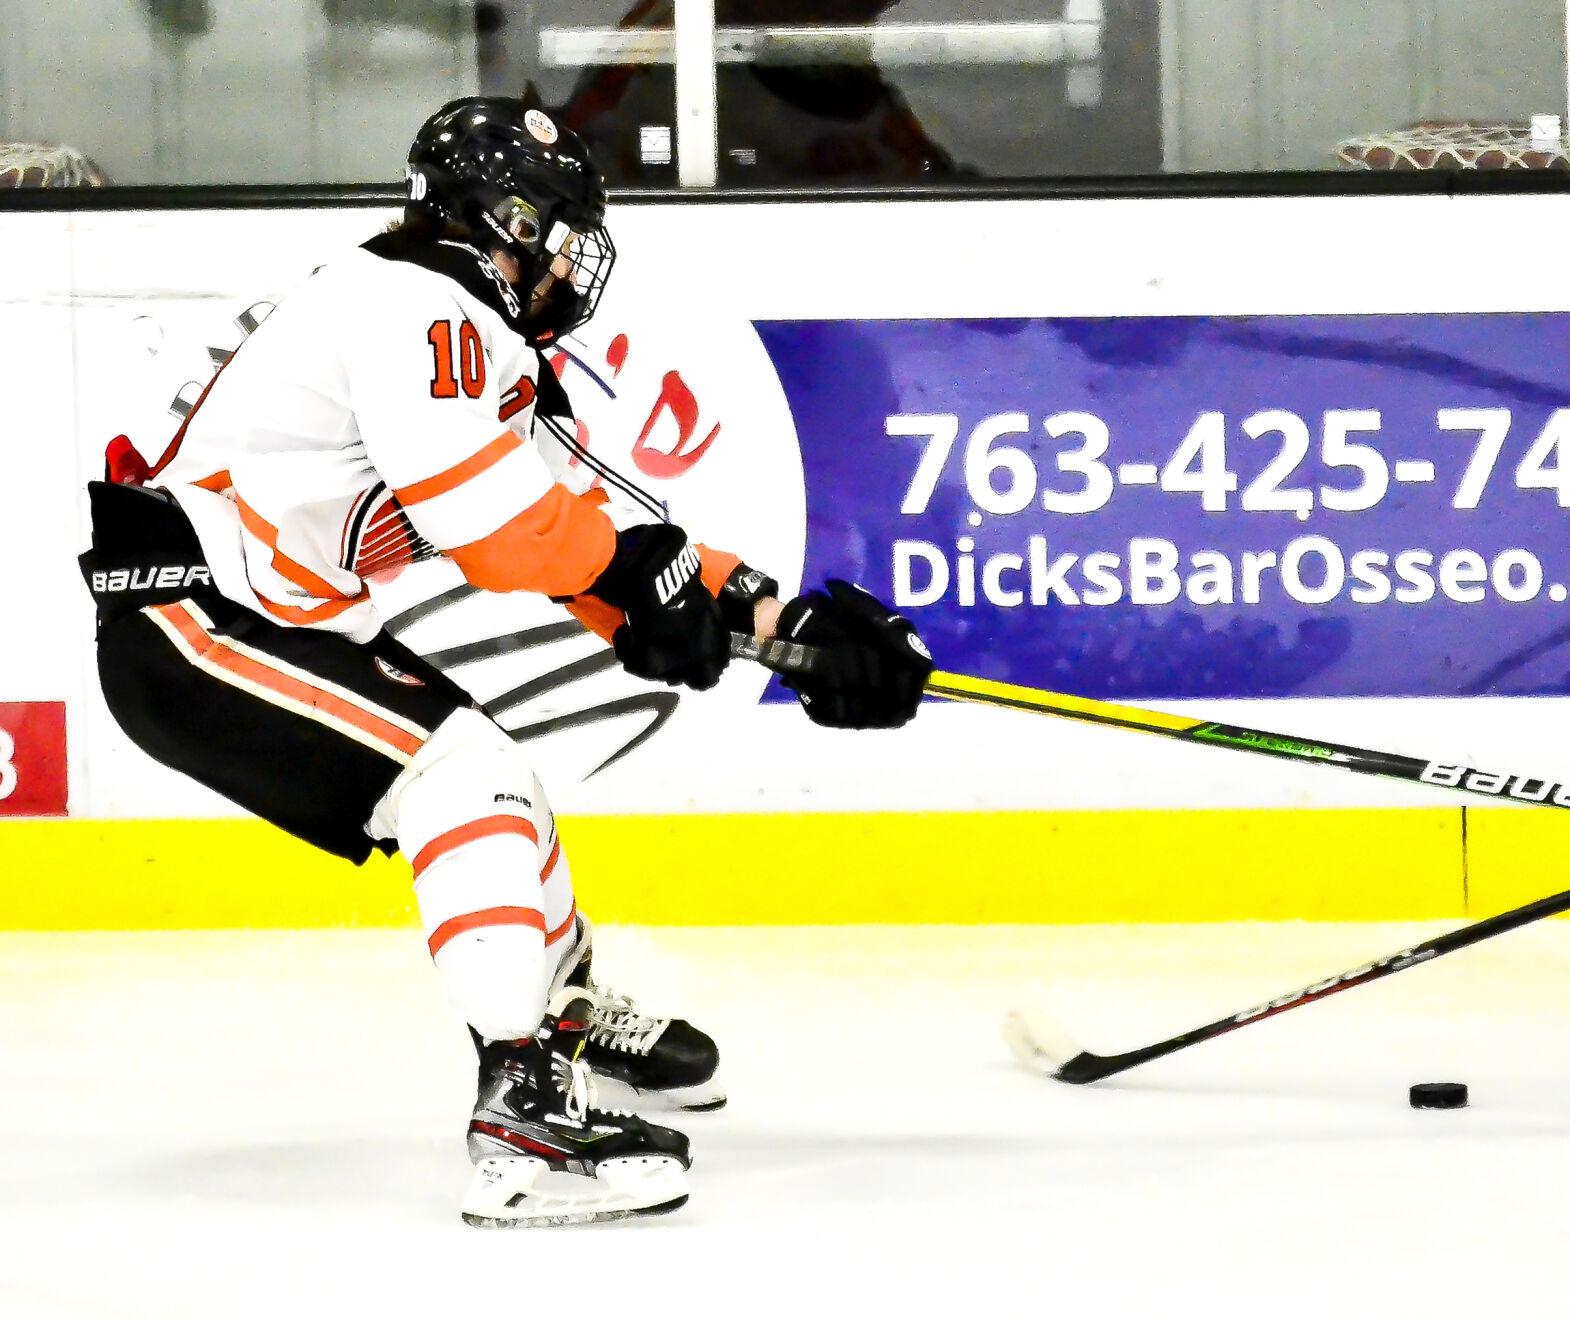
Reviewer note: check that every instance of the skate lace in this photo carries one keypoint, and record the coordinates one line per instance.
(616, 1024)
(576, 1085)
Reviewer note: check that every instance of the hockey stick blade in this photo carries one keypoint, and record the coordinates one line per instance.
(1084, 1066)
(1041, 1049)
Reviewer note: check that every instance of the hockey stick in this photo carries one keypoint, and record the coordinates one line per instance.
(787, 657)
(1043, 1047)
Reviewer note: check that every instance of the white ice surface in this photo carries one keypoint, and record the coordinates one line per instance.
(236, 1125)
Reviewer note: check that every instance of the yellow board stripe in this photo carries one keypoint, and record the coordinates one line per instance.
(826, 868)
(963, 687)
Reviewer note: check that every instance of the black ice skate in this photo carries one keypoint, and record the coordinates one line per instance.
(546, 1154)
(641, 1061)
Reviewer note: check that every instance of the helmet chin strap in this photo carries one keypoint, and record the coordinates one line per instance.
(543, 287)
(554, 303)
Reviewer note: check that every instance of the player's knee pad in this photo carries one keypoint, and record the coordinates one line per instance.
(469, 769)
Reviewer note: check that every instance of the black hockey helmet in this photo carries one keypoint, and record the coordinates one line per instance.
(519, 180)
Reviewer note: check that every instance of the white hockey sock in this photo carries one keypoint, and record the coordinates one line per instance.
(493, 888)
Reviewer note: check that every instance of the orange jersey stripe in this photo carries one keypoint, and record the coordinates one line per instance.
(219, 481)
(572, 915)
(459, 473)
(550, 862)
(557, 546)
(173, 447)
(287, 568)
(297, 691)
(483, 828)
(304, 616)
(496, 916)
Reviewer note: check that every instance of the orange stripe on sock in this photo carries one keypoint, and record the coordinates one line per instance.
(496, 916)
(214, 652)
(483, 828)
(459, 473)
(572, 916)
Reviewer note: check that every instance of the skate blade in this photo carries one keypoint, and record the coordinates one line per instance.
(562, 1221)
(524, 1192)
(702, 1098)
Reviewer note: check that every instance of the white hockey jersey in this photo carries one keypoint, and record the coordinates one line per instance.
(385, 412)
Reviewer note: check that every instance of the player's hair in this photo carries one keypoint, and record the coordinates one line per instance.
(420, 223)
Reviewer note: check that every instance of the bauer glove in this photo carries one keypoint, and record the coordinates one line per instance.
(873, 666)
(673, 633)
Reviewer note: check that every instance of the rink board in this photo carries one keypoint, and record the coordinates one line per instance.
(828, 869)
(1201, 454)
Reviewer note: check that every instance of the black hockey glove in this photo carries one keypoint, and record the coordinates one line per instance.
(873, 667)
(674, 633)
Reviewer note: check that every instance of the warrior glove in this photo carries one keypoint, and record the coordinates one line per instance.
(872, 667)
(674, 632)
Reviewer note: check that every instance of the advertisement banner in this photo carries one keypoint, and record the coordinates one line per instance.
(1177, 507)
(1106, 476)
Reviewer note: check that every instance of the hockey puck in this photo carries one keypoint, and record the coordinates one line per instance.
(1438, 1095)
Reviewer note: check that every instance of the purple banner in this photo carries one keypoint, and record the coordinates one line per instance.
(1201, 506)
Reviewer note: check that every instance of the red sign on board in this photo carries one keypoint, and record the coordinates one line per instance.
(32, 758)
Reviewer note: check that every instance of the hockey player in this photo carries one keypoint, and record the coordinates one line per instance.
(396, 407)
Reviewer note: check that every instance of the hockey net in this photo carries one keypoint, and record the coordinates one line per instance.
(40, 165)
(1454, 146)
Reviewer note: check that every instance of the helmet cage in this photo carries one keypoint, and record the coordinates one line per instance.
(570, 299)
(535, 199)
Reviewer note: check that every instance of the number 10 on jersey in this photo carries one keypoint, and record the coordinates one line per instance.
(467, 365)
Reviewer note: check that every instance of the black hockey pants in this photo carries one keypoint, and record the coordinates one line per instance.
(303, 728)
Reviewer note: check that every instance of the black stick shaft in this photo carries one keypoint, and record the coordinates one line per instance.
(1087, 1067)
(791, 657)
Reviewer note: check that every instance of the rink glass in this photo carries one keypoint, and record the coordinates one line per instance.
(818, 94)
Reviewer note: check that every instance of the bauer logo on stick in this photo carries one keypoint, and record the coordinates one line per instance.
(1523, 788)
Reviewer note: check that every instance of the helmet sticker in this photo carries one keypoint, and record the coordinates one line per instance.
(539, 124)
(418, 185)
